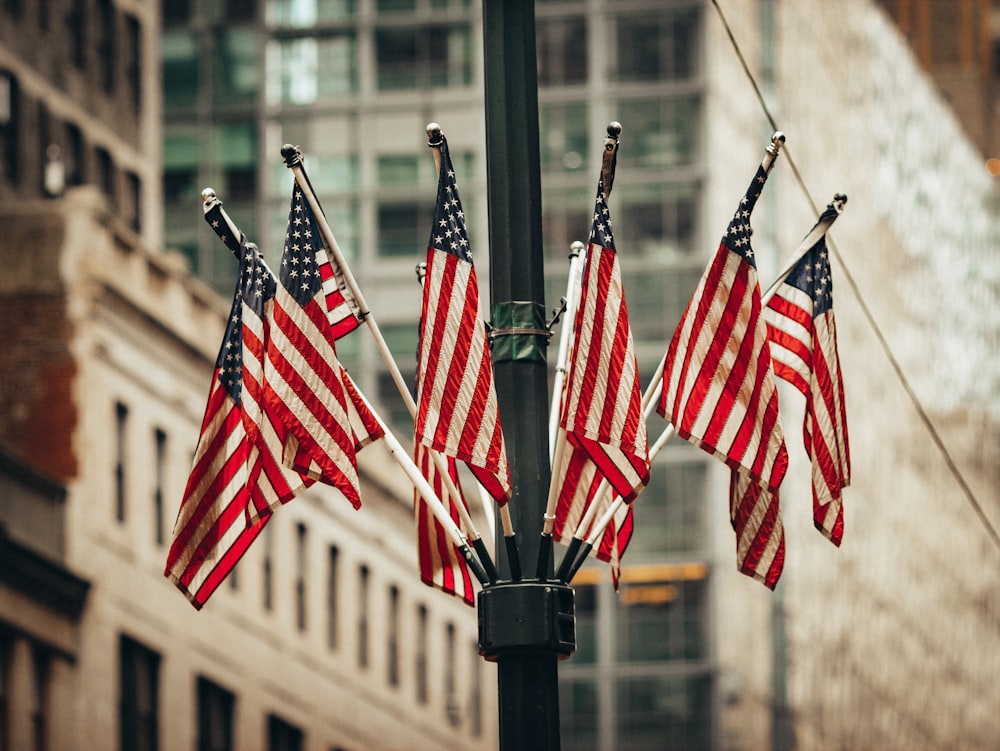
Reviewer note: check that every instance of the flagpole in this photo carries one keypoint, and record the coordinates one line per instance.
(576, 251)
(434, 141)
(294, 161)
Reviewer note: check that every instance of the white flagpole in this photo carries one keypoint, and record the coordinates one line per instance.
(572, 299)
(293, 159)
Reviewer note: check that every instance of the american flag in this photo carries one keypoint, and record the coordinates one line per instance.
(343, 310)
(803, 335)
(303, 381)
(719, 392)
(579, 485)
(271, 482)
(457, 412)
(210, 534)
(602, 410)
(441, 564)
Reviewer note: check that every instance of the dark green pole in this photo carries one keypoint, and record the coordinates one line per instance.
(525, 625)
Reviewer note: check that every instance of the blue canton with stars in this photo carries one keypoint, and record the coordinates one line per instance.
(299, 273)
(258, 285)
(229, 363)
(601, 233)
(738, 233)
(812, 275)
(448, 233)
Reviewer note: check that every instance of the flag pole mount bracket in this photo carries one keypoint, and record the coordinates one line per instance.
(526, 616)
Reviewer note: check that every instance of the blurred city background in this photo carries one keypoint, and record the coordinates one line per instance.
(115, 114)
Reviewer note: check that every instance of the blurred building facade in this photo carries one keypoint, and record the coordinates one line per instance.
(887, 643)
(324, 637)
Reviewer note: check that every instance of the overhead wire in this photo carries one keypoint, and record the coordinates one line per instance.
(922, 414)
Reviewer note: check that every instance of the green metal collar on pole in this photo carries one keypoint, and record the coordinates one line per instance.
(519, 332)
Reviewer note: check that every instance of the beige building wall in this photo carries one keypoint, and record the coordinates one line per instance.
(143, 334)
(893, 639)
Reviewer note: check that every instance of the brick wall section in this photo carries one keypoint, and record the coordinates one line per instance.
(37, 411)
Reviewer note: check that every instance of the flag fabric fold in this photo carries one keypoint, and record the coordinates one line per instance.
(803, 335)
(581, 484)
(211, 532)
(271, 481)
(602, 413)
(441, 564)
(457, 410)
(304, 387)
(719, 391)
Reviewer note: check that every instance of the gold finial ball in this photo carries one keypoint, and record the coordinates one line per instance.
(614, 129)
(433, 129)
(993, 166)
(208, 194)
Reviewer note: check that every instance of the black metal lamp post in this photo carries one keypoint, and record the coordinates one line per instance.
(525, 626)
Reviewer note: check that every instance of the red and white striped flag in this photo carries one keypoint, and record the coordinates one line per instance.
(211, 533)
(303, 381)
(271, 482)
(441, 564)
(602, 407)
(457, 411)
(719, 392)
(579, 482)
(602, 410)
(803, 334)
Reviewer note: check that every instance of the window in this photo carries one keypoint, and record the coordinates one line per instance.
(562, 51)
(39, 699)
(664, 712)
(235, 66)
(663, 132)
(402, 228)
(76, 33)
(281, 736)
(392, 646)
(73, 157)
(6, 654)
(133, 61)
(300, 576)
(453, 712)
(139, 697)
(106, 175)
(268, 567)
(308, 13)
(133, 201)
(215, 717)
(662, 619)
(565, 144)
(476, 693)
(423, 57)
(657, 45)
(421, 682)
(107, 44)
(331, 597)
(308, 70)
(673, 510)
(159, 475)
(121, 458)
(363, 615)
(180, 69)
(10, 127)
